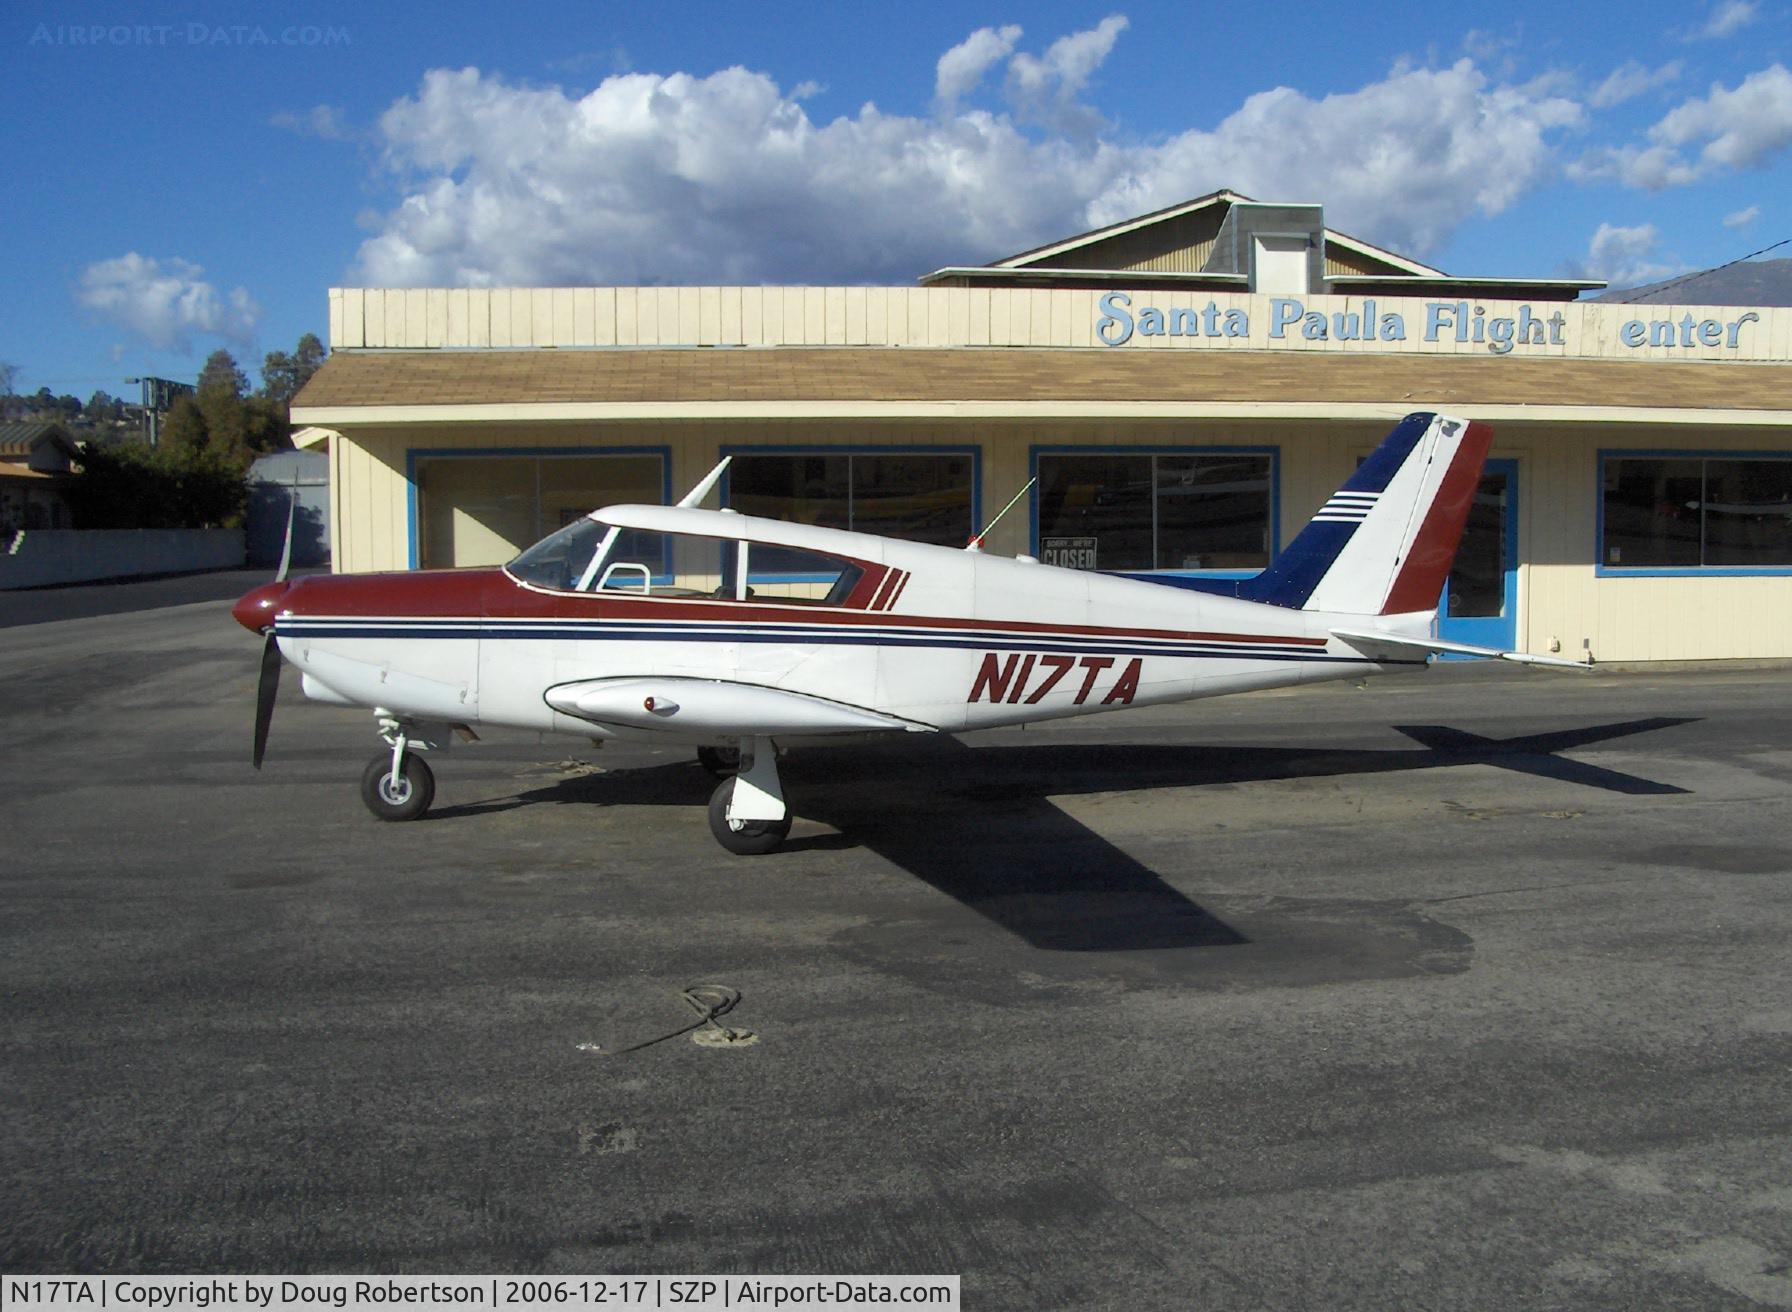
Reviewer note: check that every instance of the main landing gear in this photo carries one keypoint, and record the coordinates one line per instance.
(747, 812)
(398, 784)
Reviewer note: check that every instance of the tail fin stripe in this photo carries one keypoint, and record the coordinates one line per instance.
(1427, 564)
(1293, 575)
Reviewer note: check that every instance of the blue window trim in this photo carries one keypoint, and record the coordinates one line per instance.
(1146, 449)
(413, 454)
(854, 449)
(1603, 571)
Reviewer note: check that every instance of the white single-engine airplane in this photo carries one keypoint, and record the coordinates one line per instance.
(729, 633)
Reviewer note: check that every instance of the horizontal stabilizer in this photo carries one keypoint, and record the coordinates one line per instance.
(715, 708)
(1403, 642)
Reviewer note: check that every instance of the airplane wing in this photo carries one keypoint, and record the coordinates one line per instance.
(1405, 642)
(684, 707)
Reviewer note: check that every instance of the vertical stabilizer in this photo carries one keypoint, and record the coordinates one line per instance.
(1384, 543)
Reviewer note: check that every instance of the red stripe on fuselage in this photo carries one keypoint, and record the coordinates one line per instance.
(882, 599)
(494, 595)
(1421, 578)
(870, 583)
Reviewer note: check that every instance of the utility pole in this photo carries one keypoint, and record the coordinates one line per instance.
(159, 396)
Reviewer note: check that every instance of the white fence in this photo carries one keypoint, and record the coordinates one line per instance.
(37, 558)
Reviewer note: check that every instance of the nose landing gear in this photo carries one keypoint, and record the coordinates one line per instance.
(398, 784)
(404, 795)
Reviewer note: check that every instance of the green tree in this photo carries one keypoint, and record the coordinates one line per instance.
(221, 423)
(185, 427)
(9, 375)
(282, 375)
(221, 375)
(129, 486)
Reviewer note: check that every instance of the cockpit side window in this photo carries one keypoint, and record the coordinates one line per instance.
(788, 574)
(592, 556)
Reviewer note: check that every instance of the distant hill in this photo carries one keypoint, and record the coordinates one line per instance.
(1754, 282)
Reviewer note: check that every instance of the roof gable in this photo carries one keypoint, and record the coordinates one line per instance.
(1180, 238)
(43, 445)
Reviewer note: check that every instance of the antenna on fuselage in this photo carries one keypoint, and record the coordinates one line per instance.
(694, 497)
(976, 542)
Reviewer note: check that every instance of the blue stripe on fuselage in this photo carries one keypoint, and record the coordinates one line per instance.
(623, 631)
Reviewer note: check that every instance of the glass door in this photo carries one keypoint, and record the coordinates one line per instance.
(1480, 601)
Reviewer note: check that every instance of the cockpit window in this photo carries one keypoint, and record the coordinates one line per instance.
(799, 576)
(559, 559)
(592, 556)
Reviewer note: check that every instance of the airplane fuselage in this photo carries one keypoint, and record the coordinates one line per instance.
(934, 638)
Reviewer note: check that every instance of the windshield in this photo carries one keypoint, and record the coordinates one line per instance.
(559, 559)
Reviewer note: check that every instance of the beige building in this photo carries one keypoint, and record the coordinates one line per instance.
(37, 462)
(1186, 388)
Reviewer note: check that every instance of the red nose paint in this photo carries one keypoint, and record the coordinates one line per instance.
(255, 612)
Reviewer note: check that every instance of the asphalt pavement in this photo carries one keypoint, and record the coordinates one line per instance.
(1466, 989)
(123, 596)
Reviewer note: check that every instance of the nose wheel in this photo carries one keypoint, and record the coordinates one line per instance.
(398, 785)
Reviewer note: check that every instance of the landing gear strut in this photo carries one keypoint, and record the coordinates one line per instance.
(397, 784)
(747, 813)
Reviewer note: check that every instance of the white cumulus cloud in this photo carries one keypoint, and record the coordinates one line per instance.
(327, 122)
(726, 178)
(1728, 19)
(1734, 128)
(1047, 89)
(1630, 80)
(165, 302)
(962, 67)
(1731, 128)
(1404, 162)
(1742, 218)
(1626, 257)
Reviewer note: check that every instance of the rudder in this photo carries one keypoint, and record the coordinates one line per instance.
(1384, 543)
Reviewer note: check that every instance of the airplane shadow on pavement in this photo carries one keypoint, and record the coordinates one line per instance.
(978, 823)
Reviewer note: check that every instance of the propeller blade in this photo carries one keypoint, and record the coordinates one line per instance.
(265, 692)
(292, 510)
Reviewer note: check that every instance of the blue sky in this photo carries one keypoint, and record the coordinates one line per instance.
(186, 176)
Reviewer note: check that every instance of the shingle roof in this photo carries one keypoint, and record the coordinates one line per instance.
(18, 439)
(846, 374)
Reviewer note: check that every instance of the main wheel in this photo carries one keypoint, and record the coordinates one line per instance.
(722, 762)
(410, 799)
(744, 837)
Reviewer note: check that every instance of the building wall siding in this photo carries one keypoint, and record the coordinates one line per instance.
(1562, 602)
(981, 316)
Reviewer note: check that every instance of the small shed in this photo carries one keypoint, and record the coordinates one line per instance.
(275, 481)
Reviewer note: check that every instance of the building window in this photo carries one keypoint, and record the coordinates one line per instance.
(1715, 512)
(1171, 510)
(482, 508)
(918, 496)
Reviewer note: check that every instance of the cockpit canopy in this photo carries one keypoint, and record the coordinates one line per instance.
(593, 555)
